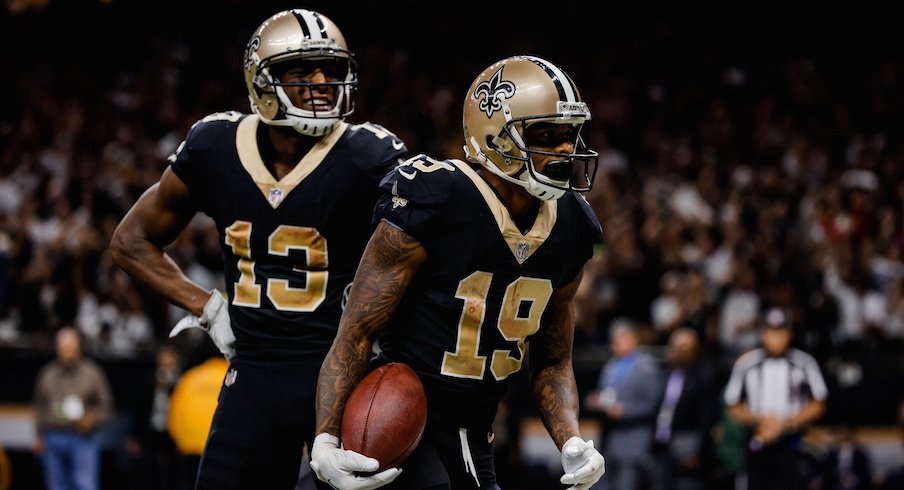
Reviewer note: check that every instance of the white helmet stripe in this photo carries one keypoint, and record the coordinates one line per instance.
(563, 83)
(311, 25)
(306, 31)
(320, 25)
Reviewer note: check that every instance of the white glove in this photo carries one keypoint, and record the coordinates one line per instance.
(214, 321)
(583, 464)
(338, 467)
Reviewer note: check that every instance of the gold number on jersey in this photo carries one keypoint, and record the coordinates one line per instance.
(526, 296)
(231, 116)
(247, 292)
(282, 240)
(464, 362)
(522, 307)
(376, 130)
(433, 166)
(308, 298)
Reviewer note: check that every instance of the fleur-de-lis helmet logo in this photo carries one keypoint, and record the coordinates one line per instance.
(493, 91)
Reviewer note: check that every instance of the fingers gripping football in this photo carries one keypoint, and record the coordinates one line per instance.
(343, 469)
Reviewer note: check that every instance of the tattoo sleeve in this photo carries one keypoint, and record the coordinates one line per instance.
(390, 261)
(552, 380)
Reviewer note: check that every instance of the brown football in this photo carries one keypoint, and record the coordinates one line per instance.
(385, 415)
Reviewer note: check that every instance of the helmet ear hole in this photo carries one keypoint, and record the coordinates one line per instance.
(490, 143)
(500, 143)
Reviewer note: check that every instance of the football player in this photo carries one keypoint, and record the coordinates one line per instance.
(472, 267)
(291, 189)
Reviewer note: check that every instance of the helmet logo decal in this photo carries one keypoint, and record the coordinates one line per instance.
(253, 44)
(493, 91)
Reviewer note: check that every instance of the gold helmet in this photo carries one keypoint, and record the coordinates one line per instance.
(294, 35)
(509, 96)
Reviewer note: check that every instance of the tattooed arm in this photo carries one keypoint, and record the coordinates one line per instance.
(551, 373)
(390, 261)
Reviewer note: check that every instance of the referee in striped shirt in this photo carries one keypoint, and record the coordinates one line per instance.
(776, 391)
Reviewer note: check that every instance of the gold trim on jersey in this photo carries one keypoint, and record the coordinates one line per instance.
(521, 246)
(249, 154)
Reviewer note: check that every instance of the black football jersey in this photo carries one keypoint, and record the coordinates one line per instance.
(485, 286)
(291, 246)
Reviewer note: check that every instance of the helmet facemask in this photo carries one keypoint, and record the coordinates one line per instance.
(574, 171)
(278, 73)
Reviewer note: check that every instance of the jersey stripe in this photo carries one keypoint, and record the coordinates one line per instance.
(781, 385)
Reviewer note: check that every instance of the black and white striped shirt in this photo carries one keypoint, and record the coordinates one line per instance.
(775, 386)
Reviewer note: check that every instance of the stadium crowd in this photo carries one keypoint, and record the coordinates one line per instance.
(734, 175)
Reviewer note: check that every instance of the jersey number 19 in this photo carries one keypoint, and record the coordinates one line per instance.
(522, 307)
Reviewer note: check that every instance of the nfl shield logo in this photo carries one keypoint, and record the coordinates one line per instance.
(275, 196)
(230, 377)
(522, 250)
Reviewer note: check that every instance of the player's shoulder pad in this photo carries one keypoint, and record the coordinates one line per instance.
(591, 218)
(210, 127)
(423, 180)
(209, 132)
(379, 139)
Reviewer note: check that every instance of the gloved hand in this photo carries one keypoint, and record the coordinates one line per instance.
(338, 467)
(583, 464)
(214, 321)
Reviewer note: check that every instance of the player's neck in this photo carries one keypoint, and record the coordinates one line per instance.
(522, 206)
(282, 148)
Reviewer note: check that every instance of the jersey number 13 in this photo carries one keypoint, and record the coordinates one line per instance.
(284, 239)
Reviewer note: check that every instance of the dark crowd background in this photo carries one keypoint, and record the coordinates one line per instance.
(749, 156)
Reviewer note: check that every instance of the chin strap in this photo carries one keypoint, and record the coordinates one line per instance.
(525, 179)
(306, 124)
(539, 189)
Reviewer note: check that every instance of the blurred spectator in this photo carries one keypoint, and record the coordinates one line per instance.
(738, 314)
(71, 400)
(627, 397)
(156, 448)
(860, 303)
(665, 310)
(847, 465)
(895, 480)
(777, 391)
(730, 445)
(687, 413)
(684, 302)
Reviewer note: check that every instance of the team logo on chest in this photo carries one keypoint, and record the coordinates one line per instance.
(522, 251)
(275, 196)
(399, 202)
(493, 91)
